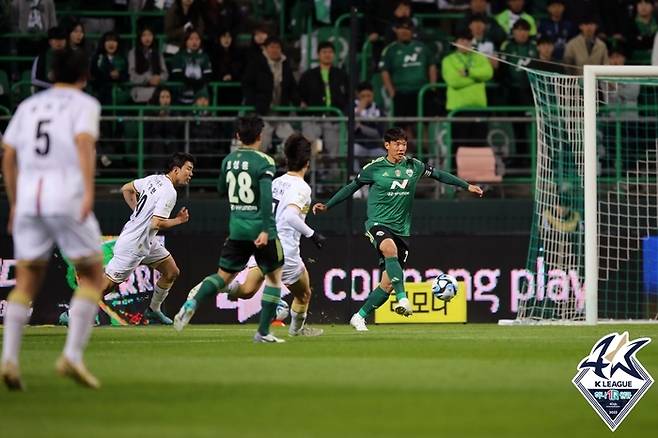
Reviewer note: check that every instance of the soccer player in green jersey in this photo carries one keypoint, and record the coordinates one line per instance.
(246, 176)
(392, 180)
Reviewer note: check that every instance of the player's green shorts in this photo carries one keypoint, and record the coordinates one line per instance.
(378, 234)
(236, 254)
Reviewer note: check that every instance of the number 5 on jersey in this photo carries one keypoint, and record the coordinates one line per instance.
(245, 195)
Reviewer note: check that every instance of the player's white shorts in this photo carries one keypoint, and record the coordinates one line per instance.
(293, 268)
(36, 236)
(124, 262)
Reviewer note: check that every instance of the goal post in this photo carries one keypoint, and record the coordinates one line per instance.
(595, 212)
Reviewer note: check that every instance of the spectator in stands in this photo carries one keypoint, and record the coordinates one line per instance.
(581, 9)
(368, 135)
(324, 86)
(268, 81)
(221, 16)
(624, 94)
(42, 75)
(478, 27)
(204, 139)
(520, 51)
(643, 30)
(192, 66)
(586, 48)
(480, 8)
(453, 5)
(109, 68)
(556, 27)
(616, 20)
(259, 35)
(466, 73)
(407, 65)
(161, 137)
(227, 66)
(33, 16)
(182, 16)
(76, 35)
(547, 60)
(146, 66)
(514, 12)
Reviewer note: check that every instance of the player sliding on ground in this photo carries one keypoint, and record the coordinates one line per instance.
(291, 197)
(392, 180)
(151, 199)
(48, 167)
(246, 175)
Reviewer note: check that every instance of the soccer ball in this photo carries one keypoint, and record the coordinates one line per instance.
(282, 311)
(444, 287)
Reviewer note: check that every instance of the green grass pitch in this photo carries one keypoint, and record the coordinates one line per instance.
(394, 381)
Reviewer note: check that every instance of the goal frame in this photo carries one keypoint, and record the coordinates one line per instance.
(590, 75)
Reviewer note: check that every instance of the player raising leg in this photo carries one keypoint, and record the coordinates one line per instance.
(48, 167)
(151, 199)
(292, 200)
(392, 180)
(246, 175)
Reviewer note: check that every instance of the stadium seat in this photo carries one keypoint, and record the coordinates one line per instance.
(477, 165)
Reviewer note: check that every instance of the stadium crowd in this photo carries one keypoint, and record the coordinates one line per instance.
(174, 56)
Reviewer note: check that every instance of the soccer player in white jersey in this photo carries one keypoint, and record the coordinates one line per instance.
(48, 166)
(151, 199)
(291, 196)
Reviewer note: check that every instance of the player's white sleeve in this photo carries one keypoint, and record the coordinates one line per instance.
(291, 216)
(165, 204)
(139, 184)
(13, 131)
(88, 119)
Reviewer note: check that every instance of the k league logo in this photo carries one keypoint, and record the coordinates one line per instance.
(612, 379)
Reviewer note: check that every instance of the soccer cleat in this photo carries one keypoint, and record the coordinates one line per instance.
(184, 315)
(12, 376)
(78, 372)
(358, 322)
(157, 316)
(306, 331)
(268, 339)
(403, 307)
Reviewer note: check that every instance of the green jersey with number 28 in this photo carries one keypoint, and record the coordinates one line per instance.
(240, 178)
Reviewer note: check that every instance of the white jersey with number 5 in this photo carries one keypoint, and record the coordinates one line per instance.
(287, 190)
(43, 132)
(156, 197)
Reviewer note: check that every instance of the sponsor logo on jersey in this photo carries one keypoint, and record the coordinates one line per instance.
(399, 184)
(612, 379)
(385, 174)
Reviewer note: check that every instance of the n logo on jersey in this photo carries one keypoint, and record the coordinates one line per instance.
(408, 59)
(399, 184)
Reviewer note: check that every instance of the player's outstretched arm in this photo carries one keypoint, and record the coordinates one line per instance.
(292, 216)
(344, 193)
(130, 194)
(160, 223)
(10, 174)
(448, 178)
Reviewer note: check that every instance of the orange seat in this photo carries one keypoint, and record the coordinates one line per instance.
(477, 165)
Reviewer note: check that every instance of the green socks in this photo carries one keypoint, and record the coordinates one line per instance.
(271, 298)
(376, 298)
(394, 271)
(211, 285)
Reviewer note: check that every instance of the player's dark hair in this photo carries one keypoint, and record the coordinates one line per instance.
(249, 128)
(326, 45)
(272, 39)
(394, 134)
(70, 66)
(365, 85)
(298, 152)
(178, 160)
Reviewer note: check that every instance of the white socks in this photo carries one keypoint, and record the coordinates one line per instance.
(81, 320)
(297, 321)
(16, 316)
(159, 295)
